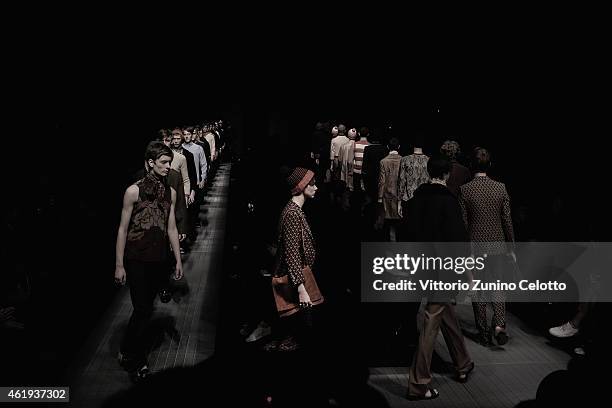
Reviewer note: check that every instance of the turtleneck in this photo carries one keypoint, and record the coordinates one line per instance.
(154, 176)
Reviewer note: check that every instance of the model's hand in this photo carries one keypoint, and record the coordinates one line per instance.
(120, 275)
(399, 208)
(304, 299)
(191, 197)
(178, 272)
(513, 256)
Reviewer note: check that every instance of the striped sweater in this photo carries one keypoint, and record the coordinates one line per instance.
(359, 148)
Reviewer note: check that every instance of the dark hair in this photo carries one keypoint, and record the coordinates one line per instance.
(438, 166)
(364, 132)
(481, 160)
(188, 129)
(374, 136)
(155, 150)
(394, 143)
(161, 135)
(418, 138)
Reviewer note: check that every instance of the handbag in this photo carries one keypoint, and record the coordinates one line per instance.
(286, 296)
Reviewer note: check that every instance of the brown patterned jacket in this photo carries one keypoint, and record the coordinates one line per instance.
(485, 204)
(296, 248)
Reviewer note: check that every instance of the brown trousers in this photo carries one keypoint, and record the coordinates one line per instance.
(437, 316)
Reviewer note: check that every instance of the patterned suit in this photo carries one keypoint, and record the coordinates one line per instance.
(485, 204)
(413, 173)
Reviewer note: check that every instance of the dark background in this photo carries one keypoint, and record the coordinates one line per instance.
(77, 121)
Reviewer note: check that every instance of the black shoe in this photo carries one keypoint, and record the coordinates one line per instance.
(433, 393)
(140, 374)
(165, 295)
(463, 377)
(501, 338)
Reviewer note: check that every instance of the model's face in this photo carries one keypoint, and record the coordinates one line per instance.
(177, 141)
(311, 189)
(167, 140)
(188, 136)
(161, 166)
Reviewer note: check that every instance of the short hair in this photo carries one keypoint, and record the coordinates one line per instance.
(394, 143)
(438, 166)
(481, 160)
(177, 131)
(155, 150)
(364, 132)
(162, 134)
(188, 129)
(341, 130)
(418, 138)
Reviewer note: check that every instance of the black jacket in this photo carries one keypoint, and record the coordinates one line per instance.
(430, 217)
(433, 215)
(192, 172)
(206, 146)
(372, 155)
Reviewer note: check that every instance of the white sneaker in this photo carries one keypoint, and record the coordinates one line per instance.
(262, 330)
(566, 330)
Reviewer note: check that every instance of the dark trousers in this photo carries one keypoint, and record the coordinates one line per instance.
(194, 212)
(357, 182)
(300, 326)
(145, 279)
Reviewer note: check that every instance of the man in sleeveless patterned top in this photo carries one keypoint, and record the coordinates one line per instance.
(147, 225)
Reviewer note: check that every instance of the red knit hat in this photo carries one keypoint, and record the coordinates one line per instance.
(299, 179)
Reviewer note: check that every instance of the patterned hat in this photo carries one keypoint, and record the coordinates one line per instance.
(299, 179)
